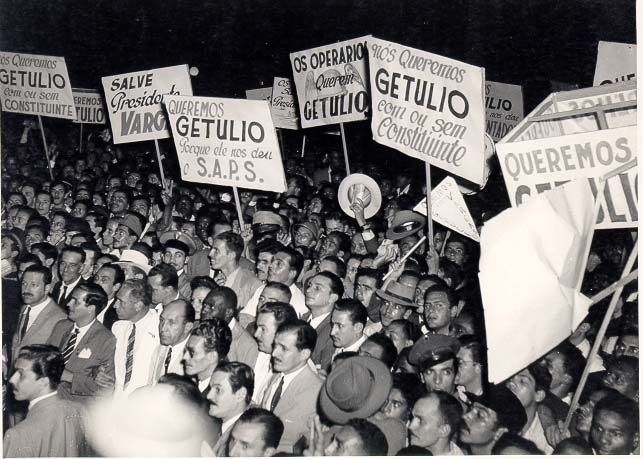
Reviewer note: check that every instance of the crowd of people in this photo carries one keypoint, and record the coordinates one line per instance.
(141, 317)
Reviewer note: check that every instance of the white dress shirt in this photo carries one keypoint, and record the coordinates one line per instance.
(263, 373)
(315, 322)
(352, 348)
(288, 378)
(82, 331)
(35, 310)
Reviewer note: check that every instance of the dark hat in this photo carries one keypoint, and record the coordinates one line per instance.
(405, 223)
(132, 222)
(398, 293)
(434, 348)
(178, 240)
(507, 406)
(265, 221)
(355, 388)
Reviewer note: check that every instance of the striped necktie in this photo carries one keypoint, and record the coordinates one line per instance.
(71, 345)
(25, 322)
(129, 356)
(168, 359)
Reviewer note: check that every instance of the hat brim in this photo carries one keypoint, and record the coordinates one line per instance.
(397, 232)
(146, 269)
(185, 238)
(395, 299)
(354, 179)
(375, 400)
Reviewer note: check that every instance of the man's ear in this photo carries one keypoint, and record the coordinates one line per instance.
(358, 326)
(500, 432)
(540, 396)
(444, 430)
(269, 452)
(241, 393)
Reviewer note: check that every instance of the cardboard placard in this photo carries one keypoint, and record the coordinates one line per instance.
(615, 62)
(282, 104)
(332, 83)
(35, 85)
(226, 142)
(89, 106)
(429, 107)
(504, 108)
(534, 166)
(134, 101)
(259, 94)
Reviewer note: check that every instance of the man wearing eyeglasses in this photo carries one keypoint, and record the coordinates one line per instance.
(468, 379)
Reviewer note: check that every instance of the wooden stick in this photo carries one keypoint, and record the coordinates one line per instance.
(612, 288)
(44, 142)
(599, 338)
(303, 146)
(238, 205)
(429, 215)
(408, 254)
(80, 145)
(158, 156)
(444, 243)
(341, 130)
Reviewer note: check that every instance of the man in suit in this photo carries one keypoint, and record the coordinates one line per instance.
(69, 267)
(292, 393)
(347, 325)
(322, 292)
(86, 344)
(175, 326)
(221, 303)
(137, 336)
(110, 277)
(164, 283)
(54, 427)
(225, 256)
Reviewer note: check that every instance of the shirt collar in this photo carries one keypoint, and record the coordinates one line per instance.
(42, 397)
(229, 423)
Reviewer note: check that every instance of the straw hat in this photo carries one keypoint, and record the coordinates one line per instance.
(362, 187)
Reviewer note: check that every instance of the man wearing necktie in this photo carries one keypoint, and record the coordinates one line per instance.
(292, 393)
(87, 346)
(69, 268)
(175, 326)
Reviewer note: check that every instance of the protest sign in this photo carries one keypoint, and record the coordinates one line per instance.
(615, 62)
(332, 83)
(259, 94)
(134, 101)
(35, 85)
(504, 108)
(530, 258)
(226, 142)
(534, 166)
(449, 209)
(429, 107)
(282, 104)
(89, 106)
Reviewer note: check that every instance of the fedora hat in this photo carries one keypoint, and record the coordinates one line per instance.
(355, 388)
(362, 187)
(132, 222)
(405, 223)
(135, 258)
(398, 293)
(179, 240)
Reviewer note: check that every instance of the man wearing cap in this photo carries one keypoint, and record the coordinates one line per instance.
(292, 393)
(224, 257)
(266, 224)
(127, 232)
(435, 357)
(179, 247)
(69, 268)
(397, 303)
(496, 412)
(347, 325)
(305, 235)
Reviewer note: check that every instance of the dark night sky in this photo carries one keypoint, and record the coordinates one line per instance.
(242, 44)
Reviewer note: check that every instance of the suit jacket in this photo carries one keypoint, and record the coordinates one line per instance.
(40, 330)
(244, 347)
(54, 427)
(11, 302)
(185, 291)
(297, 405)
(55, 293)
(110, 315)
(244, 285)
(100, 344)
(198, 264)
(323, 353)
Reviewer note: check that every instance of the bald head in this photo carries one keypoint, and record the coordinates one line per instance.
(175, 323)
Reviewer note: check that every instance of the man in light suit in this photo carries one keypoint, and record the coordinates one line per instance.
(137, 336)
(175, 326)
(224, 256)
(54, 427)
(221, 302)
(40, 313)
(87, 346)
(292, 392)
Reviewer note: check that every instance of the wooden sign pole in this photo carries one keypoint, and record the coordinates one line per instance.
(44, 142)
(158, 156)
(341, 129)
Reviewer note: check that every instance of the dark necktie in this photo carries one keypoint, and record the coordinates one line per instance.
(63, 295)
(277, 396)
(25, 322)
(129, 356)
(71, 344)
(168, 358)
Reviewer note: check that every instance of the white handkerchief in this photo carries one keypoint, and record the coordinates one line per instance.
(85, 353)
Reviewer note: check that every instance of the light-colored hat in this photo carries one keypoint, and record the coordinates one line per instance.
(135, 258)
(398, 293)
(359, 186)
(185, 241)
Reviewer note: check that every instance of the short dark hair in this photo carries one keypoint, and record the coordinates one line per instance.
(239, 375)
(573, 445)
(202, 281)
(216, 334)
(623, 407)
(340, 265)
(272, 426)
(268, 246)
(369, 272)
(46, 362)
(100, 218)
(283, 288)
(228, 297)
(119, 274)
(389, 352)
(354, 308)
(169, 277)
(371, 437)
(443, 288)
(233, 242)
(281, 312)
(336, 284)
(140, 290)
(72, 249)
(411, 329)
(511, 439)
(573, 362)
(342, 239)
(94, 295)
(49, 251)
(473, 344)
(46, 273)
(450, 409)
(410, 386)
(295, 259)
(305, 333)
